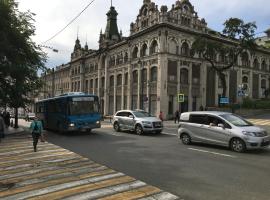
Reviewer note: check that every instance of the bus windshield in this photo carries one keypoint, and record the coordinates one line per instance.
(83, 105)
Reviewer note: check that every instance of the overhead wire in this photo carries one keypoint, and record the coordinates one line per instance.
(68, 23)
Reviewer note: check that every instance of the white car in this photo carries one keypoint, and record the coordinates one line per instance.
(136, 120)
(221, 128)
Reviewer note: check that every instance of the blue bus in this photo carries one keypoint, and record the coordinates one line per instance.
(69, 112)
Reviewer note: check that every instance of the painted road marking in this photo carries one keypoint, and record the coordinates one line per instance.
(211, 152)
(57, 173)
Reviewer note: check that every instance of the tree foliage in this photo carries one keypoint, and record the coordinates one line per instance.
(239, 37)
(20, 57)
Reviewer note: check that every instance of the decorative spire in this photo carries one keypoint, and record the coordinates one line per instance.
(77, 44)
(111, 32)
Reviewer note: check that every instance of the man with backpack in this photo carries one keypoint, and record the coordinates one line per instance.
(36, 129)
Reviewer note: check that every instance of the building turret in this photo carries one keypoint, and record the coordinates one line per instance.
(111, 32)
(77, 45)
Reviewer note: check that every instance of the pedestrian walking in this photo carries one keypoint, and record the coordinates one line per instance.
(7, 119)
(176, 116)
(201, 108)
(161, 116)
(2, 128)
(36, 130)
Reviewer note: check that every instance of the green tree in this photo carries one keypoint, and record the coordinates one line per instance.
(20, 57)
(239, 37)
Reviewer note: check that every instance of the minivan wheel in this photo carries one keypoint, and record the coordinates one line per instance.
(238, 145)
(116, 127)
(185, 139)
(139, 130)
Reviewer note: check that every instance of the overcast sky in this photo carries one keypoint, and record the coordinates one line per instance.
(53, 15)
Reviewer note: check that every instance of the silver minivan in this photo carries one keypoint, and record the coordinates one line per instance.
(221, 128)
(136, 120)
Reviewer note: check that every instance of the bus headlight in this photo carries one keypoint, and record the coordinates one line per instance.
(98, 122)
(71, 125)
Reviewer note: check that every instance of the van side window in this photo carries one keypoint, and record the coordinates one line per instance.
(120, 114)
(197, 119)
(214, 121)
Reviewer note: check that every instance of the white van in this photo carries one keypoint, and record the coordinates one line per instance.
(221, 128)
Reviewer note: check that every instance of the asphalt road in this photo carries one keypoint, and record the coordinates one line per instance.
(196, 172)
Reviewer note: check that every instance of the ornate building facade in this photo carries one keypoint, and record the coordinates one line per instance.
(147, 69)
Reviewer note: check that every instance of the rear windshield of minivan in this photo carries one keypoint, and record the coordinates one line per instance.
(236, 120)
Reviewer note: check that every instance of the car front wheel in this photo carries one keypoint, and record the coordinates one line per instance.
(116, 127)
(186, 139)
(238, 145)
(139, 130)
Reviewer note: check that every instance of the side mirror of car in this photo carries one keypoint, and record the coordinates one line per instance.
(131, 116)
(221, 126)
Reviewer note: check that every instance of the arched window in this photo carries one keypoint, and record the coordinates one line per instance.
(154, 47)
(135, 52)
(126, 57)
(126, 78)
(185, 49)
(173, 48)
(245, 59)
(256, 64)
(154, 74)
(263, 83)
(144, 75)
(103, 82)
(144, 50)
(111, 81)
(184, 76)
(119, 79)
(135, 76)
(264, 67)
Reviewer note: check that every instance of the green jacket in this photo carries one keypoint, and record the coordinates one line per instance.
(39, 125)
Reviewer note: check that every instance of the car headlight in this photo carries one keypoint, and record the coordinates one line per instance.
(247, 133)
(98, 122)
(71, 125)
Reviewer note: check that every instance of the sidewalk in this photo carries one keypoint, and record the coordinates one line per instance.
(57, 173)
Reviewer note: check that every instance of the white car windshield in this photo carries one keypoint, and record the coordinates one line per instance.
(236, 120)
(141, 114)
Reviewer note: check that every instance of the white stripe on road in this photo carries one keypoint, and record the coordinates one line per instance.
(211, 152)
(107, 191)
(161, 196)
(28, 194)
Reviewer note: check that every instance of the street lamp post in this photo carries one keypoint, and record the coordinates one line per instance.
(142, 83)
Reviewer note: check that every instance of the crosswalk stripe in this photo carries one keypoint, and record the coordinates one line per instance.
(41, 185)
(134, 194)
(22, 168)
(13, 162)
(47, 173)
(84, 188)
(32, 193)
(41, 153)
(107, 191)
(160, 196)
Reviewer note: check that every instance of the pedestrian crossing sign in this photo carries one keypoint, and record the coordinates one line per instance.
(181, 98)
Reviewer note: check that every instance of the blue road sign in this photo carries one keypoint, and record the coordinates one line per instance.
(224, 100)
